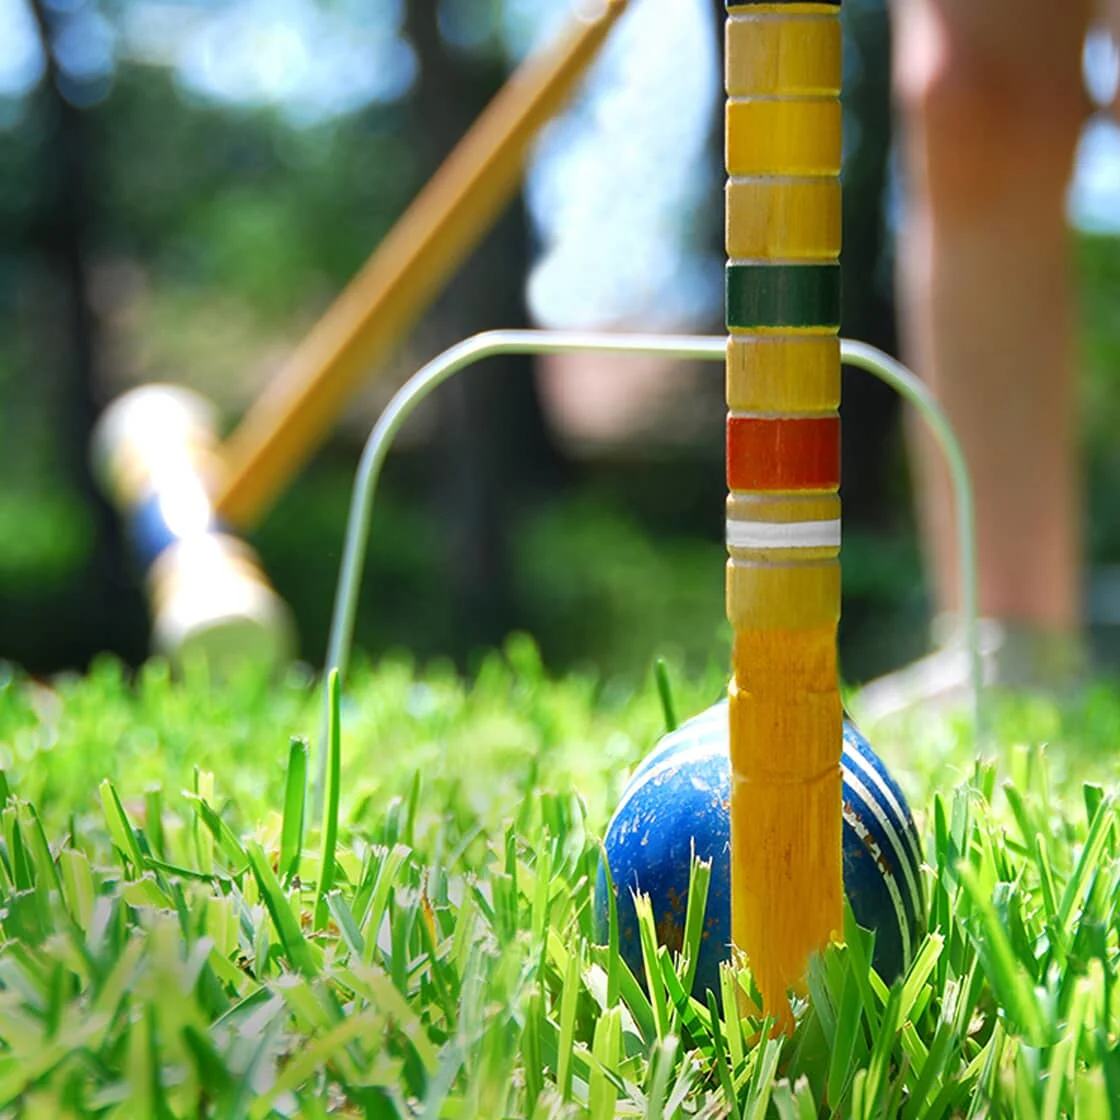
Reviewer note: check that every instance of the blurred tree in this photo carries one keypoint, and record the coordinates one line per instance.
(872, 452)
(58, 231)
(162, 222)
(495, 451)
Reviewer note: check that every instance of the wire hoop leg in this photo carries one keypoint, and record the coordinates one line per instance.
(689, 347)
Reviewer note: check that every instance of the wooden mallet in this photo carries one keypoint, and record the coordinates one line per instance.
(156, 449)
(409, 268)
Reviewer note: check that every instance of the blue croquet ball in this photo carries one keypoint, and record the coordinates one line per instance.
(679, 798)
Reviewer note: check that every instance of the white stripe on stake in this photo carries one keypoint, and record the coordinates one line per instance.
(783, 534)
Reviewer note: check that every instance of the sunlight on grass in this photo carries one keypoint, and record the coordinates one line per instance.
(180, 942)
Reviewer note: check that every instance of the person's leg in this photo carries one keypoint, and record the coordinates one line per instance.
(991, 103)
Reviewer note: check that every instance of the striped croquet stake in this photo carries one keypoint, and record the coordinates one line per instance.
(783, 65)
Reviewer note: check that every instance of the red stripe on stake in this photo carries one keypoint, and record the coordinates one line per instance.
(785, 453)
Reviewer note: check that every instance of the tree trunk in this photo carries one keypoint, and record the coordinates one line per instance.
(494, 451)
(103, 611)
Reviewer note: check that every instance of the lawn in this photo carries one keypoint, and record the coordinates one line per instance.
(182, 939)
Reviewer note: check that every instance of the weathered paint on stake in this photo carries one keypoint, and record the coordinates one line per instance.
(783, 147)
(764, 527)
(772, 136)
(778, 219)
(783, 373)
(783, 452)
(785, 55)
(770, 593)
(775, 294)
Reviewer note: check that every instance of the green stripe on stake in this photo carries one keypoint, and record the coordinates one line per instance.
(783, 295)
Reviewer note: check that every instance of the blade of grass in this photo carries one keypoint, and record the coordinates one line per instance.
(214, 878)
(919, 973)
(542, 897)
(1087, 864)
(153, 821)
(1046, 879)
(614, 957)
(877, 1086)
(202, 786)
(1063, 1057)
(78, 888)
(655, 983)
(47, 879)
(569, 996)
(631, 994)
(860, 948)
(347, 927)
(692, 1018)
(1092, 794)
(606, 1047)
(316, 1055)
(411, 807)
(331, 801)
(665, 692)
(442, 973)
(1008, 978)
(723, 1070)
(849, 1024)
(794, 1102)
(209, 1067)
(733, 1021)
(227, 842)
(531, 1050)
(762, 1079)
(700, 876)
(295, 805)
(286, 922)
(120, 828)
(661, 1064)
(388, 872)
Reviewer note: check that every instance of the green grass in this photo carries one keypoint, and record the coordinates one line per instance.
(180, 938)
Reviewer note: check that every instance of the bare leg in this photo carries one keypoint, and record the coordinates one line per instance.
(991, 104)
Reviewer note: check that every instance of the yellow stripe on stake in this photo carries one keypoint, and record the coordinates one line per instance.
(783, 149)
(794, 219)
(780, 54)
(783, 373)
(766, 596)
(783, 509)
(770, 137)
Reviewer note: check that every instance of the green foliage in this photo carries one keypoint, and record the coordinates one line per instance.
(1098, 260)
(163, 954)
(593, 580)
(588, 580)
(46, 534)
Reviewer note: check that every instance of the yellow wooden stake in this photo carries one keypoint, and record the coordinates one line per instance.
(783, 148)
(403, 275)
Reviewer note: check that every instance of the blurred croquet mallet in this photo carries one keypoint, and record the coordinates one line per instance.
(406, 272)
(205, 586)
(155, 451)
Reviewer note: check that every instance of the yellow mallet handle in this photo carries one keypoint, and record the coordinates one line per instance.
(783, 473)
(443, 224)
